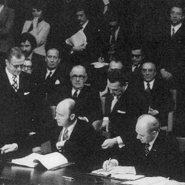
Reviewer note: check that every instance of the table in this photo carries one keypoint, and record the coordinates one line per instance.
(18, 175)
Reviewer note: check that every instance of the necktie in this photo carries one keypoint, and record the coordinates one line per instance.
(112, 45)
(173, 31)
(15, 84)
(148, 87)
(147, 149)
(114, 101)
(49, 75)
(75, 95)
(65, 136)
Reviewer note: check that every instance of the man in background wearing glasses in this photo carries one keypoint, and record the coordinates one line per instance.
(88, 104)
(14, 103)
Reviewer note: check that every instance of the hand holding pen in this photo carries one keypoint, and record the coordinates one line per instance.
(109, 164)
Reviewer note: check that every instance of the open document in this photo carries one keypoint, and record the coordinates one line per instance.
(49, 161)
(119, 172)
(78, 39)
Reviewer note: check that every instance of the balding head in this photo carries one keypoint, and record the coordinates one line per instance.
(147, 127)
(65, 115)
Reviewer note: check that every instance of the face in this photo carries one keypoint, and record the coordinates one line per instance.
(26, 47)
(176, 15)
(62, 116)
(36, 12)
(27, 67)
(14, 65)
(136, 56)
(115, 65)
(143, 134)
(115, 88)
(78, 78)
(52, 59)
(81, 17)
(148, 72)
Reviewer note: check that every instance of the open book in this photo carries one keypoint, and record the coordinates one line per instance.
(50, 161)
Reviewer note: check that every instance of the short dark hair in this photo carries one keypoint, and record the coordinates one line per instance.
(16, 51)
(117, 76)
(30, 38)
(178, 5)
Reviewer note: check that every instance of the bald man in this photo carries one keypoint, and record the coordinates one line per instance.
(157, 153)
(74, 138)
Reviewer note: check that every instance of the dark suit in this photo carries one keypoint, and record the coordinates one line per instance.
(14, 110)
(123, 116)
(6, 29)
(80, 147)
(42, 91)
(37, 61)
(173, 48)
(88, 102)
(162, 160)
(159, 98)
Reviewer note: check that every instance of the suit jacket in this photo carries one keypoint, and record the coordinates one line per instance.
(6, 29)
(43, 29)
(173, 50)
(80, 147)
(14, 110)
(162, 160)
(159, 98)
(88, 102)
(38, 61)
(123, 116)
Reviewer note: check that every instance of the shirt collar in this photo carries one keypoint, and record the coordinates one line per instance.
(85, 24)
(151, 84)
(70, 128)
(1, 8)
(153, 141)
(176, 27)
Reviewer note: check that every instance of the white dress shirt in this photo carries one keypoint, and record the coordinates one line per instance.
(176, 28)
(151, 84)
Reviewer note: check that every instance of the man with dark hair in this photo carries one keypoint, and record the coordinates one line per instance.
(28, 44)
(14, 102)
(120, 111)
(153, 95)
(157, 153)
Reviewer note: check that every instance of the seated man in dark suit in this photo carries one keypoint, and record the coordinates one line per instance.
(133, 69)
(120, 111)
(88, 104)
(76, 139)
(157, 153)
(28, 43)
(15, 94)
(153, 95)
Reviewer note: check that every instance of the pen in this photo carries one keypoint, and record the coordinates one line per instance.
(68, 178)
(109, 161)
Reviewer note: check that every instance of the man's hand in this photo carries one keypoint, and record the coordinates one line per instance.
(153, 112)
(36, 150)
(105, 124)
(108, 164)
(79, 48)
(9, 148)
(109, 143)
(165, 74)
(59, 145)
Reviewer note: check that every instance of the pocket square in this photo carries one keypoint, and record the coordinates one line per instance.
(121, 112)
(57, 82)
(26, 93)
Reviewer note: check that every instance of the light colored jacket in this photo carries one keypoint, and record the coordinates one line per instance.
(41, 35)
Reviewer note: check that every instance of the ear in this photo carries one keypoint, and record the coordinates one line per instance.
(85, 79)
(72, 117)
(59, 60)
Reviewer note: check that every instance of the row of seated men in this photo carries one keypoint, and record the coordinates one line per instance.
(81, 130)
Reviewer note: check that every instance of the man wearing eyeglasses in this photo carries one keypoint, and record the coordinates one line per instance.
(133, 69)
(88, 105)
(14, 102)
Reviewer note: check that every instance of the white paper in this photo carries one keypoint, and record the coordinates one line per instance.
(49, 161)
(106, 2)
(77, 39)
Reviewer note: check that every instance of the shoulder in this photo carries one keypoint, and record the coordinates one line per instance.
(44, 24)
